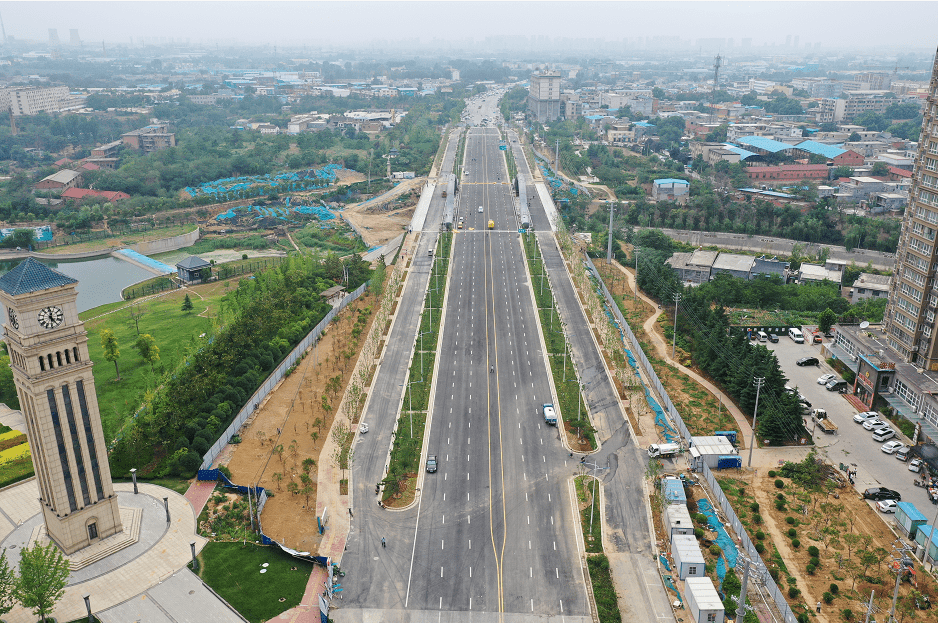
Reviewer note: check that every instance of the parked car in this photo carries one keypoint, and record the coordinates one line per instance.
(915, 465)
(881, 493)
(431, 463)
(773, 338)
(886, 506)
(865, 416)
(883, 434)
(873, 424)
(903, 454)
(363, 428)
(824, 379)
(837, 385)
(890, 447)
(817, 339)
(808, 361)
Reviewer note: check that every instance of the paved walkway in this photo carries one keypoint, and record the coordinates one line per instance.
(128, 579)
(198, 494)
(663, 351)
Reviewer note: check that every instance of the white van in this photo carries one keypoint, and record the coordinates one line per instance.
(796, 335)
(763, 336)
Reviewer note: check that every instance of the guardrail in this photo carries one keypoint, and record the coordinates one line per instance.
(275, 378)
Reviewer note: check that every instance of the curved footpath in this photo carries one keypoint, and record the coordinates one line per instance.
(661, 349)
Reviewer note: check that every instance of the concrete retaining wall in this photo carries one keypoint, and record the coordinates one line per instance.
(167, 244)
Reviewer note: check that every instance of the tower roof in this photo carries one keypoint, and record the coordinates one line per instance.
(32, 276)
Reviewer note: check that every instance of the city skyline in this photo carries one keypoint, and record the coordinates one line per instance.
(794, 25)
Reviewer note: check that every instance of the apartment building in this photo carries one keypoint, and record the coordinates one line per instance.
(909, 322)
(33, 100)
(544, 96)
(818, 87)
(853, 103)
(149, 139)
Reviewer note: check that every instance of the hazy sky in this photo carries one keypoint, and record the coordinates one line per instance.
(909, 25)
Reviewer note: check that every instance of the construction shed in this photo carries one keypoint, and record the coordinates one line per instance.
(926, 542)
(676, 520)
(710, 450)
(909, 519)
(702, 600)
(673, 491)
(688, 559)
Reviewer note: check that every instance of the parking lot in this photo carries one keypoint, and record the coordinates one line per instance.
(852, 444)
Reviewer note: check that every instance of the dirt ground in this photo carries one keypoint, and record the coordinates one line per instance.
(377, 226)
(290, 413)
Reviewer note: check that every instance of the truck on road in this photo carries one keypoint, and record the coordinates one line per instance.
(550, 415)
(823, 421)
(663, 450)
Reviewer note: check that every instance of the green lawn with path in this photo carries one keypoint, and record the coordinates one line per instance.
(233, 571)
(174, 330)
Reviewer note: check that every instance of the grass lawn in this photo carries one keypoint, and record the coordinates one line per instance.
(233, 571)
(603, 590)
(174, 332)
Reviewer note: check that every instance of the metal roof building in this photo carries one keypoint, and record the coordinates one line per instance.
(763, 144)
(820, 149)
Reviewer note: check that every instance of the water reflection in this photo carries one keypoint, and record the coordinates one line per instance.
(100, 280)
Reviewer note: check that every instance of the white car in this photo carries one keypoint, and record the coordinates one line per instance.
(865, 416)
(886, 506)
(825, 379)
(480, 209)
(890, 447)
(363, 428)
(915, 465)
(873, 424)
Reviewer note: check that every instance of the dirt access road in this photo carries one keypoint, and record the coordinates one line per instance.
(376, 225)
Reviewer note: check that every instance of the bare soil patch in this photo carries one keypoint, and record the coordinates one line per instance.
(294, 416)
(378, 225)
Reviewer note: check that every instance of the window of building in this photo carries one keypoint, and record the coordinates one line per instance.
(93, 531)
(712, 616)
(692, 570)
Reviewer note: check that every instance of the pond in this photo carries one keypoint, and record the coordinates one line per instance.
(100, 280)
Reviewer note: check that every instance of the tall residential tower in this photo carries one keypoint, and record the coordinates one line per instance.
(910, 321)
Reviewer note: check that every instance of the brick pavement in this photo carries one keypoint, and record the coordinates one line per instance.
(198, 494)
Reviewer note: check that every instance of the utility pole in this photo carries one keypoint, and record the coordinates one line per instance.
(869, 608)
(901, 570)
(557, 157)
(741, 607)
(759, 380)
(677, 298)
(635, 254)
(609, 244)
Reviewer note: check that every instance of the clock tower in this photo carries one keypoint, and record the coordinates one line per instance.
(48, 351)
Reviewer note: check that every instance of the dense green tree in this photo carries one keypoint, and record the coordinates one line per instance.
(148, 349)
(43, 576)
(111, 350)
(826, 320)
(187, 304)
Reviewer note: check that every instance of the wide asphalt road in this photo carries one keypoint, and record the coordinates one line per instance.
(628, 532)
(493, 537)
(495, 531)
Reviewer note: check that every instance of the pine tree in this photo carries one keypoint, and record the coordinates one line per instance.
(187, 304)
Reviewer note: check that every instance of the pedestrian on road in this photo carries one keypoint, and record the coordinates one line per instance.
(819, 607)
(384, 544)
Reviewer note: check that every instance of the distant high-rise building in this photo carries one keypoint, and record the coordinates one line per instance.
(53, 36)
(911, 324)
(74, 39)
(787, 41)
(796, 40)
(544, 96)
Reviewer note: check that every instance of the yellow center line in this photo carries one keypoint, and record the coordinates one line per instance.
(493, 361)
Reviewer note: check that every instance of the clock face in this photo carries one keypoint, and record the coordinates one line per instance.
(14, 322)
(51, 317)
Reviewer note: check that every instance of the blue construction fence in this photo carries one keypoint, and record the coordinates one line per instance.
(285, 212)
(245, 186)
(259, 495)
(729, 547)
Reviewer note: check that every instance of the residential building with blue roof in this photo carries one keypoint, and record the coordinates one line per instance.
(764, 145)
